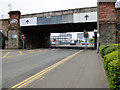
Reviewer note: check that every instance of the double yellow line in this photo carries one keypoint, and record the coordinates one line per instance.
(23, 83)
(6, 55)
(20, 53)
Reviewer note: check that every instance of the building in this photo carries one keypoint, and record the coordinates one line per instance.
(117, 4)
(69, 35)
(63, 34)
(58, 38)
(80, 36)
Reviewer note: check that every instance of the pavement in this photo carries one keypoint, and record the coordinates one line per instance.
(84, 70)
(54, 68)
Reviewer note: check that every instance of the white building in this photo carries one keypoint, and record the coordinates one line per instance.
(117, 4)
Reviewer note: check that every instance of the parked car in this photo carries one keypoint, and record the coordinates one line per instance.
(87, 44)
(53, 43)
(72, 43)
(83, 43)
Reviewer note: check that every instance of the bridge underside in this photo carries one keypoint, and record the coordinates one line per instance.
(58, 28)
(39, 36)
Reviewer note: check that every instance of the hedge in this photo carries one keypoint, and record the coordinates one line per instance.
(106, 49)
(111, 55)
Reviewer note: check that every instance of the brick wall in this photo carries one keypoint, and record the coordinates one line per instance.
(14, 29)
(107, 12)
(107, 22)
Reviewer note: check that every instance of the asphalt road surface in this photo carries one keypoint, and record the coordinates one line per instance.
(19, 65)
(71, 68)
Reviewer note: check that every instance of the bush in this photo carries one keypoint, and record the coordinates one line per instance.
(102, 48)
(106, 49)
(110, 49)
(111, 55)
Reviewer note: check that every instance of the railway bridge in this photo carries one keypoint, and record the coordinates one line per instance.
(37, 26)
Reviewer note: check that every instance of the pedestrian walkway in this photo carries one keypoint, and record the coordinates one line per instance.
(85, 70)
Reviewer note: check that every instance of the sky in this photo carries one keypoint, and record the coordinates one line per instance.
(37, 6)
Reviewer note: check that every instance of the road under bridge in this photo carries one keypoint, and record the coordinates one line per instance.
(39, 36)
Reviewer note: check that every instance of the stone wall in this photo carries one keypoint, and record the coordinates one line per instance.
(4, 24)
(118, 23)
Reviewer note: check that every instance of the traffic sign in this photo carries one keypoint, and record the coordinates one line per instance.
(85, 17)
(28, 21)
(14, 36)
(22, 37)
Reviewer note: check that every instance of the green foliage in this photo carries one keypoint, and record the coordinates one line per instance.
(81, 41)
(106, 49)
(111, 55)
(110, 49)
(91, 40)
(102, 49)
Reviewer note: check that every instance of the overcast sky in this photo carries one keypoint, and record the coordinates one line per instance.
(37, 6)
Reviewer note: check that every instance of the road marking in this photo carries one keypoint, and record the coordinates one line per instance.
(41, 78)
(23, 83)
(20, 53)
(43, 50)
(13, 55)
(30, 51)
(6, 55)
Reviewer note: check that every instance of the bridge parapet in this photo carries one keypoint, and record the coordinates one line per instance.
(61, 12)
(80, 15)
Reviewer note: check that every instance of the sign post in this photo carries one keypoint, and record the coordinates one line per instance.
(22, 38)
(23, 43)
(85, 17)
